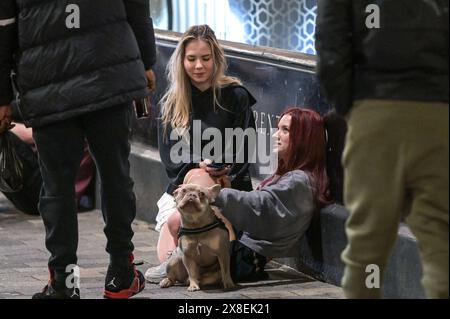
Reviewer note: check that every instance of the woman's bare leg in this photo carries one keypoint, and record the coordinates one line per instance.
(166, 243)
(173, 225)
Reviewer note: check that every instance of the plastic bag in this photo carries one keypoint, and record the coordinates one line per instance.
(11, 166)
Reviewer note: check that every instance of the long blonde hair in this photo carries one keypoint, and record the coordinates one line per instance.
(176, 102)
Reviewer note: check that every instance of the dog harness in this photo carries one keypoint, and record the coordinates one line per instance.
(186, 231)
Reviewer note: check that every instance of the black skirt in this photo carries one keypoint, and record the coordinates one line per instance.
(246, 265)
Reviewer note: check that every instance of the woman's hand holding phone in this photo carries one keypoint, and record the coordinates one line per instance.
(218, 170)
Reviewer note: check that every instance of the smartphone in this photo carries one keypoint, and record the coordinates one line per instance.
(217, 166)
(142, 108)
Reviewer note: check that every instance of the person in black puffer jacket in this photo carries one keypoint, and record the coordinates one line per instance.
(77, 68)
(385, 65)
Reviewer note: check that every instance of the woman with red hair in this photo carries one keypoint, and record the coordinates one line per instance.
(272, 219)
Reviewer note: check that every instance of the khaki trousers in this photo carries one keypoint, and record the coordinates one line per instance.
(396, 163)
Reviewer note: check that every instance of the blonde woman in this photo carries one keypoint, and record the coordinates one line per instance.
(199, 94)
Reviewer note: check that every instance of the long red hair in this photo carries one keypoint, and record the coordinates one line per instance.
(307, 150)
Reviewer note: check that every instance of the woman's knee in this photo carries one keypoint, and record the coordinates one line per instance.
(192, 173)
(200, 177)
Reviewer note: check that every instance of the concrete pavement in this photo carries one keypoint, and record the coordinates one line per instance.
(23, 264)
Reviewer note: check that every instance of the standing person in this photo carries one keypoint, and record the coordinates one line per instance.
(389, 71)
(200, 94)
(79, 67)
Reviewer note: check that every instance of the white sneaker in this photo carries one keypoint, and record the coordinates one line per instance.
(155, 274)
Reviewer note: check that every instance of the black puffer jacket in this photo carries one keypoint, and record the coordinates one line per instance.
(65, 72)
(405, 59)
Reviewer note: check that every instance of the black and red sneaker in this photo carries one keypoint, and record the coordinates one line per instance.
(123, 282)
(50, 292)
(57, 290)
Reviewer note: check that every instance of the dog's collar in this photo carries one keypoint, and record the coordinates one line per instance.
(186, 231)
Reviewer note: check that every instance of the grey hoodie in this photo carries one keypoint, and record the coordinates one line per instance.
(273, 219)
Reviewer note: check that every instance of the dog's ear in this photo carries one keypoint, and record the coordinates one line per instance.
(176, 192)
(214, 192)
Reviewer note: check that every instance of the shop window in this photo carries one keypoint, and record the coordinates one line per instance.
(281, 24)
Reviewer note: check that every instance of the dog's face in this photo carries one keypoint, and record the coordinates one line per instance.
(195, 199)
(204, 253)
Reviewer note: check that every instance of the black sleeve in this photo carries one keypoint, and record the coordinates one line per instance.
(176, 172)
(242, 104)
(8, 44)
(138, 13)
(334, 50)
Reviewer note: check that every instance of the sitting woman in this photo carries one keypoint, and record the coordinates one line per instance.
(26, 199)
(199, 95)
(272, 219)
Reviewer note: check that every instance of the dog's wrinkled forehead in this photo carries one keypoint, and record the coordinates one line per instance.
(201, 193)
(192, 188)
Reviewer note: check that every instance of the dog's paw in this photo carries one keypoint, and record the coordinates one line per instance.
(229, 285)
(166, 283)
(193, 288)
